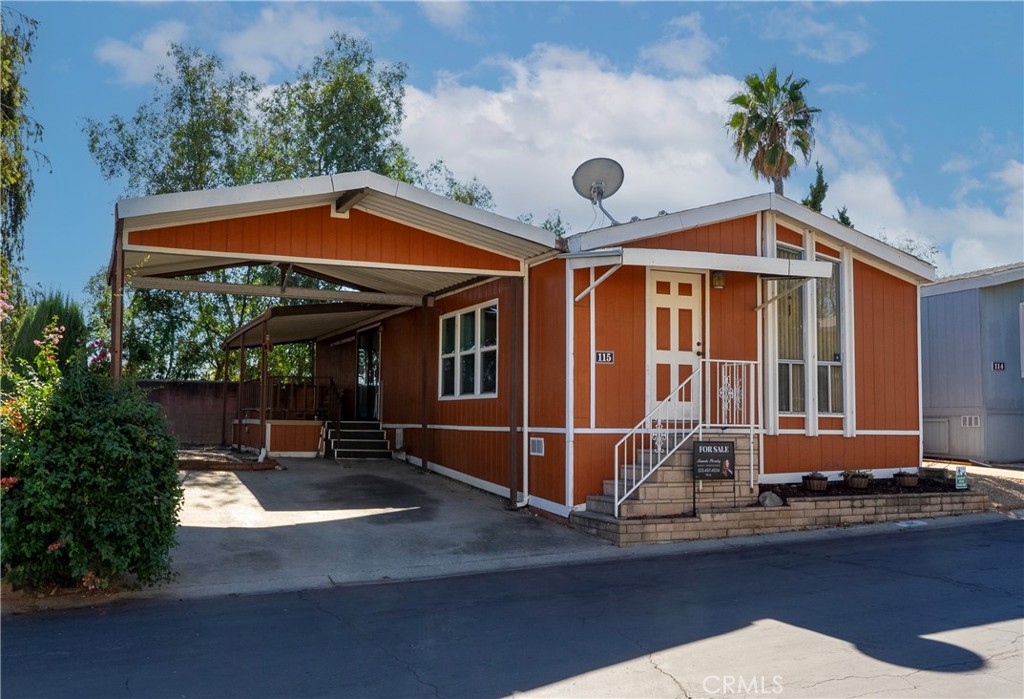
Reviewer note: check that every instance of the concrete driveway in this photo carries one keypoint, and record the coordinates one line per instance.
(318, 523)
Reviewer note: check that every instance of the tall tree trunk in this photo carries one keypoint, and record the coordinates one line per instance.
(778, 185)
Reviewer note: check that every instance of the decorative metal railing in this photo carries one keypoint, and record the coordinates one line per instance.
(719, 394)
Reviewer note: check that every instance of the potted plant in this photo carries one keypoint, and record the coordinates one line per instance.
(815, 482)
(905, 479)
(857, 479)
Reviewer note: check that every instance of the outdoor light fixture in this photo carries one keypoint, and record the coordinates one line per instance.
(718, 280)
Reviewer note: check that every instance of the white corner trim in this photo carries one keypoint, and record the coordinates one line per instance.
(849, 343)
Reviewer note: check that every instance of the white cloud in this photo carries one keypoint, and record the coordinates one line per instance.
(560, 107)
(841, 89)
(137, 61)
(450, 15)
(685, 49)
(957, 163)
(822, 41)
(970, 235)
(283, 37)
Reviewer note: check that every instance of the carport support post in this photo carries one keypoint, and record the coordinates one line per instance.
(515, 299)
(264, 346)
(425, 314)
(241, 389)
(224, 398)
(117, 304)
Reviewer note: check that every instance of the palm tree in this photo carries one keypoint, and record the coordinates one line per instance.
(770, 124)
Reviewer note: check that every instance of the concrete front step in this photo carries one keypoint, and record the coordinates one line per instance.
(335, 433)
(635, 509)
(362, 454)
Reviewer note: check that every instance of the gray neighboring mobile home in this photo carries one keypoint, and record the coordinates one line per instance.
(972, 339)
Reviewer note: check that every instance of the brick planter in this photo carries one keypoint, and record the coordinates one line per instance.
(800, 513)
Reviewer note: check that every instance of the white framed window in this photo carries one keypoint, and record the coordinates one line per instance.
(469, 352)
(789, 311)
(830, 340)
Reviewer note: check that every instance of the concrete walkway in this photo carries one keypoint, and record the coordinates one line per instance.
(319, 523)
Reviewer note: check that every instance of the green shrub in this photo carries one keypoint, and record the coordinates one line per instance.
(53, 309)
(90, 488)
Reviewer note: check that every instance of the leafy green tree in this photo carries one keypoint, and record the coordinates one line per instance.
(819, 188)
(439, 179)
(771, 123)
(188, 136)
(19, 132)
(341, 115)
(552, 223)
(842, 217)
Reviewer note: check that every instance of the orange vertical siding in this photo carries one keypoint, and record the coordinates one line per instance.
(794, 453)
(735, 237)
(885, 323)
(315, 234)
(733, 321)
(620, 327)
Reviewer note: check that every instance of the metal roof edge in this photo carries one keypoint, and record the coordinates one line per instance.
(851, 236)
(984, 279)
(680, 220)
(223, 196)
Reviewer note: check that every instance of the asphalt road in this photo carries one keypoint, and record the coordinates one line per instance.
(918, 612)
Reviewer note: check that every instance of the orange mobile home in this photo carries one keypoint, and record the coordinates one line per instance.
(538, 368)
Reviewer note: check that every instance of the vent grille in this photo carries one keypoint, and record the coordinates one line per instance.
(970, 421)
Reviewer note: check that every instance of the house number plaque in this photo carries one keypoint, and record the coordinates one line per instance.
(604, 357)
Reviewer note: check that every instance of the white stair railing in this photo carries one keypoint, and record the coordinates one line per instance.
(719, 394)
(655, 438)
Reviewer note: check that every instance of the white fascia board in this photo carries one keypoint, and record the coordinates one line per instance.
(473, 214)
(980, 281)
(799, 213)
(593, 258)
(270, 192)
(669, 223)
(768, 266)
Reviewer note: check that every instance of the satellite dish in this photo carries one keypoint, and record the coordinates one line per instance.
(596, 180)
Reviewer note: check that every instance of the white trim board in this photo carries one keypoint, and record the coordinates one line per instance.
(487, 486)
(673, 260)
(320, 261)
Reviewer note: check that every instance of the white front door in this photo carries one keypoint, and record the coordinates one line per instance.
(674, 338)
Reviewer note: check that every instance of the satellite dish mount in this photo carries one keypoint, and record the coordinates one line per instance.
(596, 180)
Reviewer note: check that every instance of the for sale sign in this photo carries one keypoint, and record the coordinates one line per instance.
(714, 461)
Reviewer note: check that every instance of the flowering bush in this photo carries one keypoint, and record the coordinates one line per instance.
(89, 486)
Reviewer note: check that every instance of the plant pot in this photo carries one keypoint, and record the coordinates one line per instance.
(906, 480)
(858, 482)
(815, 485)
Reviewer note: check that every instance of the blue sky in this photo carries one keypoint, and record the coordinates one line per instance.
(920, 132)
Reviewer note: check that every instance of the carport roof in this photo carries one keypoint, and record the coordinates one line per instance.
(302, 323)
(366, 191)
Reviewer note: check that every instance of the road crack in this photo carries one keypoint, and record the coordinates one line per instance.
(386, 650)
